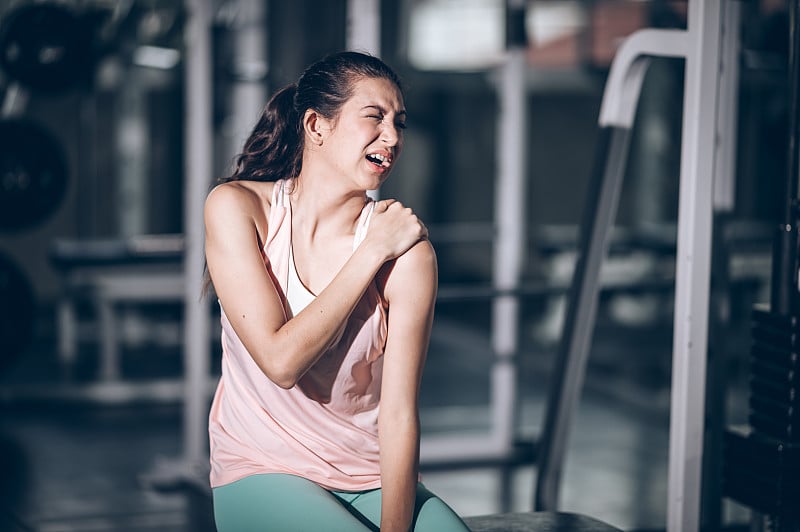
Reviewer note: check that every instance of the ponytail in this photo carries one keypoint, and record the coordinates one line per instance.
(274, 149)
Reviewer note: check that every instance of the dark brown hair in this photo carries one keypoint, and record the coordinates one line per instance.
(274, 149)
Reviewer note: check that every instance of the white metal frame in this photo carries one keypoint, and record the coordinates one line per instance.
(700, 45)
(510, 220)
(198, 164)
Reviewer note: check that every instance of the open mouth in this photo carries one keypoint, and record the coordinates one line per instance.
(380, 159)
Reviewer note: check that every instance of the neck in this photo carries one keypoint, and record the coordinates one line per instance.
(321, 206)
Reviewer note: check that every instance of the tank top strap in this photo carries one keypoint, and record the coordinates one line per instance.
(276, 247)
(279, 193)
(280, 206)
(363, 223)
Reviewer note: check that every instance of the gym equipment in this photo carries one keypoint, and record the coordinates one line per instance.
(761, 467)
(17, 311)
(705, 99)
(45, 46)
(764, 474)
(762, 462)
(33, 174)
(774, 377)
(527, 521)
(112, 271)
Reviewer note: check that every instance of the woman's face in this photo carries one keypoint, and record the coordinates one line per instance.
(365, 139)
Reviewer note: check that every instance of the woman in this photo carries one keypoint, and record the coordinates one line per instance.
(327, 302)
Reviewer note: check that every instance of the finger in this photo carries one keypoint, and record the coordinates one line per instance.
(383, 205)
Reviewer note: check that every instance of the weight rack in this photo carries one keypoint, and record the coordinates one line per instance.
(762, 462)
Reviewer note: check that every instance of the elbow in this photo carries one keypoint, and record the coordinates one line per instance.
(287, 382)
(281, 374)
(284, 363)
(285, 378)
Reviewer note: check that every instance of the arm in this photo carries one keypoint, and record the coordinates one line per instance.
(411, 292)
(285, 350)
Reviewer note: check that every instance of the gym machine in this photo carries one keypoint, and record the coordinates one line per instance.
(706, 101)
(761, 462)
(32, 187)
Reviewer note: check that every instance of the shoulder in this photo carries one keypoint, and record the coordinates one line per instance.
(240, 195)
(420, 256)
(414, 272)
(250, 199)
(238, 202)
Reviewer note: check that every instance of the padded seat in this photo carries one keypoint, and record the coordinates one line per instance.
(537, 522)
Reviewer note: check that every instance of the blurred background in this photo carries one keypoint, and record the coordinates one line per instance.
(93, 218)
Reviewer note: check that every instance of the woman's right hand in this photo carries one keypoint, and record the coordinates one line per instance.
(394, 229)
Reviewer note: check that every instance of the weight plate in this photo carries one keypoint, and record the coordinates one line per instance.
(33, 174)
(44, 46)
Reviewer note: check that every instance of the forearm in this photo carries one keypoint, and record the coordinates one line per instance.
(399, 445)
(299, 342)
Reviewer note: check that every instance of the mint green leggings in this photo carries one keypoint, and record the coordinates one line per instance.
(287, 503)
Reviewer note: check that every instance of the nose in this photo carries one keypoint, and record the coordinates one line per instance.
(390, 134)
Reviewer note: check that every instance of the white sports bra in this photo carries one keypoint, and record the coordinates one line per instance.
(297, 295)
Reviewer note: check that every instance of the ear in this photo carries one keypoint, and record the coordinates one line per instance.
(316, 127)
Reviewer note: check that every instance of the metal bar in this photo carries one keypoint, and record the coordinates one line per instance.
(198, 164)
(624, 82)
(364, 26)
(793, 176)
(109, 353)
(785, 283)
(568, 374)
(616, 117)
(724, 203)
(508, 250)
(247, 93)
(363, 34)
(693, 265)
(728, 114)
(458, 449)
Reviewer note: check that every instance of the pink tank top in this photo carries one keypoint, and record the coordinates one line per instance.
(325, 428)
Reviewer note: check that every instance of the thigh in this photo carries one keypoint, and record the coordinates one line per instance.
(283, 503)
(431, 514)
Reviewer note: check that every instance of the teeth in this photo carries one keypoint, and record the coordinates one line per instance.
(383, 160)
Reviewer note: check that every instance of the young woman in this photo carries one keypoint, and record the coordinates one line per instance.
(327, 301)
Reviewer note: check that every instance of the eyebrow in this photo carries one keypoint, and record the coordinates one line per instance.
(402, 112)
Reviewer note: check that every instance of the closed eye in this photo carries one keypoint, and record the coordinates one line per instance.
(379, 118)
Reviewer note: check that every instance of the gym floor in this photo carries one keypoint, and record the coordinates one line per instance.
(73, 464)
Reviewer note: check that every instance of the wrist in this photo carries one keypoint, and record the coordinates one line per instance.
(372, 256)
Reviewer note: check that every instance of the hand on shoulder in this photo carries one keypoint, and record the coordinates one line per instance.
(394, 228)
